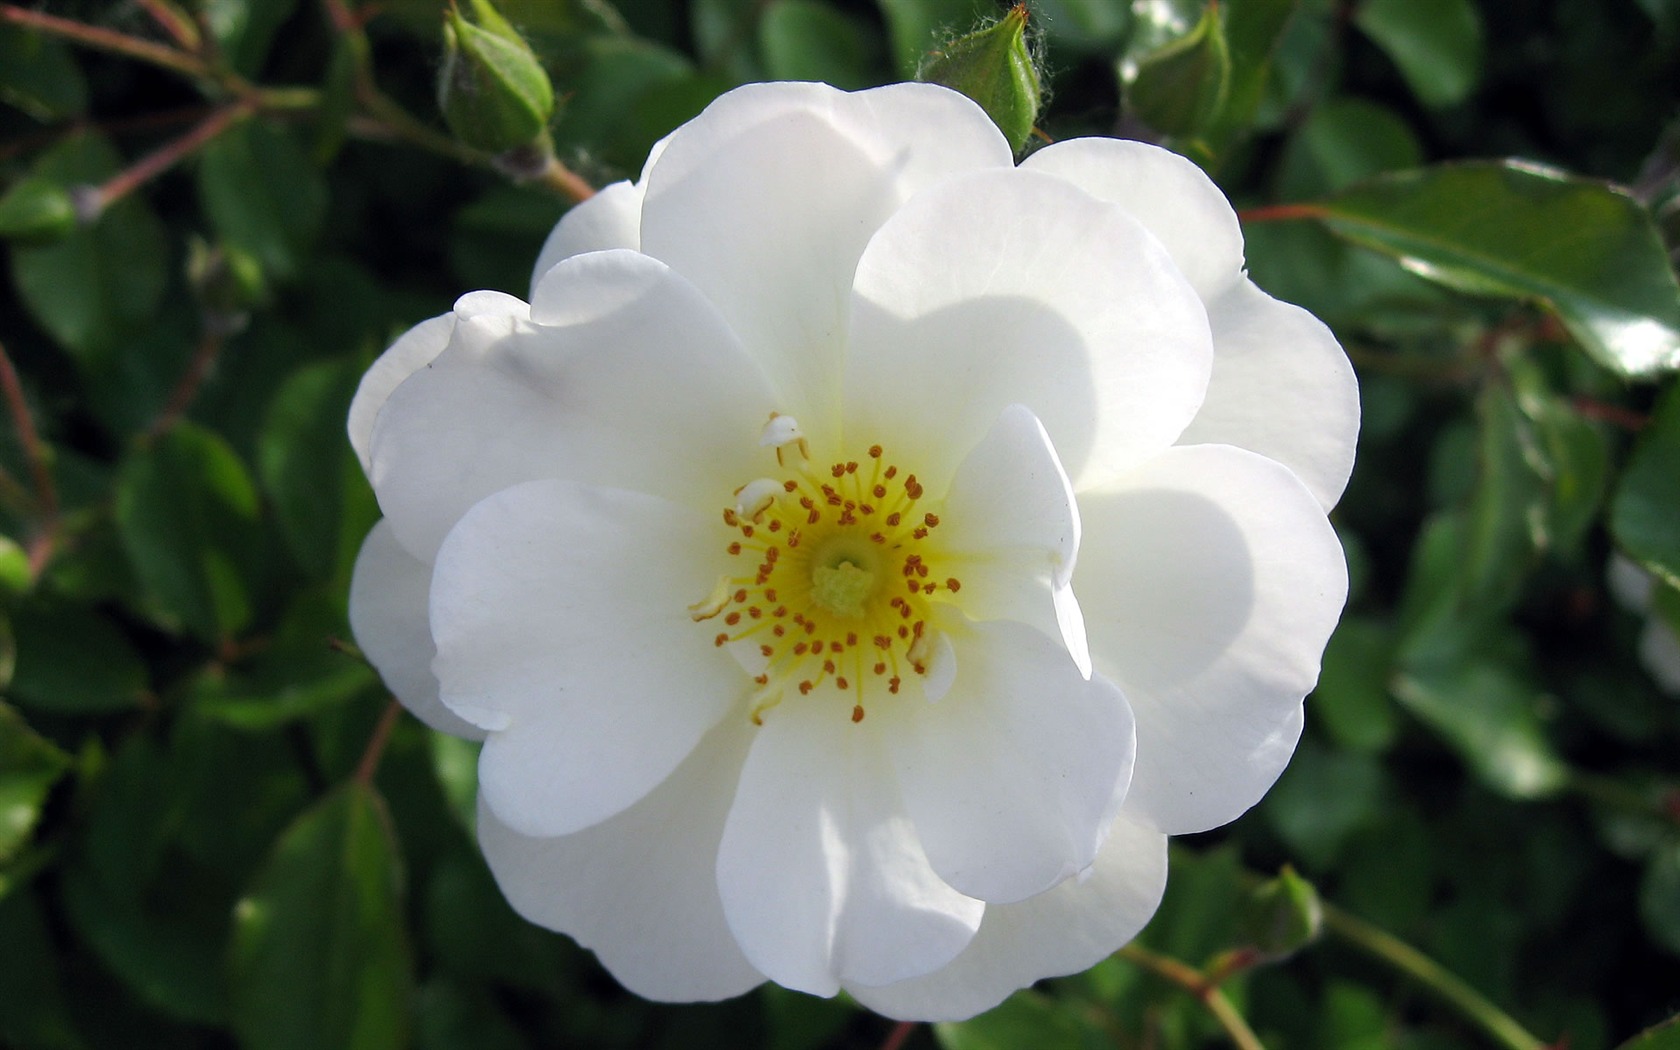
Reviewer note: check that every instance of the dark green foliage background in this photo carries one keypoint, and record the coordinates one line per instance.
(196, 849)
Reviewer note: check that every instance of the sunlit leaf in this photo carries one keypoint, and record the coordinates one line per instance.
(1436, 43)
(1585, 250)
(1642, 515)
(1491, 717)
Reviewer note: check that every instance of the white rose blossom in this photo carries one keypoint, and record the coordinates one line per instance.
(862, 552)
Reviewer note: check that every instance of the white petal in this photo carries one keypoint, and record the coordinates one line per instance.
(766, 200)
(1281, 387)
(640, 889)
(560, 614)
(1015, 287)
(822, 878)
(1012, 527)
(1014, 777)
(388, 616)
(416, 349)
(610, 219)
(1061, 931)
(1210, 581)
(623, 377)
(1169, 194)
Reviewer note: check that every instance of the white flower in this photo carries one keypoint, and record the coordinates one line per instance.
(862, 552)
(1659, 645)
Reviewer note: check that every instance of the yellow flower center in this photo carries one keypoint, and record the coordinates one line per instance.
(833, 575)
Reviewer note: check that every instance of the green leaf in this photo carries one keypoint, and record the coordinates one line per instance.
(305, 461)
(186, 510)
(39, 75)
(806, 40)
(1505, 517)
(71, 660)
(1572, 457)
(1665, 1036)
(1180, 88)
(1342, 141)
(1352, 700)
(1253, 32)
(1321, 799)
(36, 211)
(1491, 717)
(245, 28)
(1585, 250)
(319, 957)
(263, 193)
(1642, 515)
(919, 27)
(33, 1007)
(97, 286)
(1436, 43)
(29, 767)
(297, 674)
(449, 1018)
(1024, 1021)
(1659, 897)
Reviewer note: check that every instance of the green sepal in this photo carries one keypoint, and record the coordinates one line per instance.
(994, 67)
(493, 91)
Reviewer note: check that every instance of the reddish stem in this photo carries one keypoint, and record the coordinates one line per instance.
(369, 765)
(1616, 415)
(46, 493)
(104, 39)
(173, 22)
(165, 157)
(187, 387)
(1281, 213)
(898, 1036)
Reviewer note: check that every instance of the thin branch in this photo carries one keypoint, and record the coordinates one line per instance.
(381, 735)
(174, 22)
(565, 181)
(46, 493)
(1281, 213)
(1198, 985)
(168, 155)
(1446, 986)
(103, 39)
(186, 388)
(900, 1033)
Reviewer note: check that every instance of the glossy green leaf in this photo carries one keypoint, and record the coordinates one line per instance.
(96, 286)
(1642, 515)
(1585, 250)
(1436, 43)
(1659, 897)
(39, 75)
(1025, 1021)
(305, 462)
(1321, 799)
(72, 660)
(246, 28)
(29, 767)
(263, 194)
(1491, 717)
(1665, 1036)
(1352, 699)
(34, 1012)
(1342, 141)
(806, 40)
(1179, 89)
(1505, 530)
(186, 509)
(919, 27)
(319, 956)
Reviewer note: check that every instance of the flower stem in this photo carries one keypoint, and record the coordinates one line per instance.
(165, 157)
(381, 735)
(1446, 986)
(175, 22)
(899, 1035)
(1197, 984)
(565, 181)
(103, 39)
(1281, 213)
(46, 493)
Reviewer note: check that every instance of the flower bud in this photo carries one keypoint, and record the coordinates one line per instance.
(994, 67)
(1179, 89)
(1282, 915)
(36, 211)
(494, 93)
